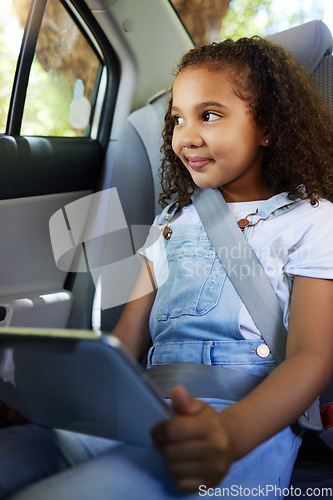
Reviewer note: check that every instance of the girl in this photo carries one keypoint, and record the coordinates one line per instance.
(244, 119)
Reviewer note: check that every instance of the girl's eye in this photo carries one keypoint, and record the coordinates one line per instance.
(210, 117)
(178, 120)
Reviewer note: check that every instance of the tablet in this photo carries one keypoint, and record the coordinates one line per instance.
(78, 380)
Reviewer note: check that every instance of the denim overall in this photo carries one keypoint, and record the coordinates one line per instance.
(195, 320)
(195, 314)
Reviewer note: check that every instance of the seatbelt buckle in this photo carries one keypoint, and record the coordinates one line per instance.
(311, 418)
(327, 416)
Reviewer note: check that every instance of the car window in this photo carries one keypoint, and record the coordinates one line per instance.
(211, 20)
(63, 89)
(63, 80)
(12, 18)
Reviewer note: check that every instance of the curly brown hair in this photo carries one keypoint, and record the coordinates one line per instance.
(283, 101)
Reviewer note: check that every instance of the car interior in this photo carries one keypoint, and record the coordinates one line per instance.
(134, 47)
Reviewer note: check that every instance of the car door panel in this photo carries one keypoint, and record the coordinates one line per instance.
(38, 177)
(31, 285)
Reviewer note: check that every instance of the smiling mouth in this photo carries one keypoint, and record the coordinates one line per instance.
(197, 163)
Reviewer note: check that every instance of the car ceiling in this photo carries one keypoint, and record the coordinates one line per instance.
(149, 38)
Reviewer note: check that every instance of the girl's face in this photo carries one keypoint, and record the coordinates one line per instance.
(215, 136)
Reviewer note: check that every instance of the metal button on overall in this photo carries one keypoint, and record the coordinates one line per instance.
(263, 351)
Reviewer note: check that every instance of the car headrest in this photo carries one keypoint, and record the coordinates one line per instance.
(308, 43)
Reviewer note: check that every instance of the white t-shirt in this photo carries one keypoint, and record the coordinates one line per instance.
(298, 242)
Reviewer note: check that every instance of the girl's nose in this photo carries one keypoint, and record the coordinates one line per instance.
(191, 137)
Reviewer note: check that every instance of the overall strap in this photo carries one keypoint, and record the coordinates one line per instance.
(243, 268)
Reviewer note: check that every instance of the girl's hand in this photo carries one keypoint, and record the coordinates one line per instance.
(195, 446)
(9, 417)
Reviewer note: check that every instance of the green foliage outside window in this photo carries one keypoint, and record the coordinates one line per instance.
(263, 17)
(53, 119)
(8, 58)
(52, 76)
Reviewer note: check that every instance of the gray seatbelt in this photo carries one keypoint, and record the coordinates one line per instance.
(243, 268)
(203, 381)
(253, 287)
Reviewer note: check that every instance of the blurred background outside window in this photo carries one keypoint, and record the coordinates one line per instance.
(212, 20)
(64, 76)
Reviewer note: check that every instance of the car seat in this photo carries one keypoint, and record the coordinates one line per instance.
(135, 174)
